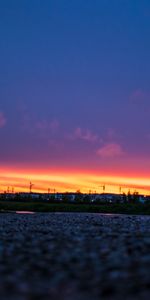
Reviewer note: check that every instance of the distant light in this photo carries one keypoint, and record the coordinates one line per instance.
(24, 212)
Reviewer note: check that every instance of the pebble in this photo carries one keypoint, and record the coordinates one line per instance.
(74, 256)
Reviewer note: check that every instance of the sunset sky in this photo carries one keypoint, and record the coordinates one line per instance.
(75, 94)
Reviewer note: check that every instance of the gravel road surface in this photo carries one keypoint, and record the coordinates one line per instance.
(73, 256)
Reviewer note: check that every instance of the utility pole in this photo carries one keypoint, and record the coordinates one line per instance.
(120, 190)
(30, 187)
(103, 187)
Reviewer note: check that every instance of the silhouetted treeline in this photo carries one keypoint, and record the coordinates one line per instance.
(77, 197)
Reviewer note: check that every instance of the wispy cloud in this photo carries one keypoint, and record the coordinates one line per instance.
(41, 127)
(83, 134)
(139, 95)
(47, 126)
(3, 120)
(110, 150)
(111, 134)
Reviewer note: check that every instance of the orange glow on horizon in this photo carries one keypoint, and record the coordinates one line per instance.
(70, 180)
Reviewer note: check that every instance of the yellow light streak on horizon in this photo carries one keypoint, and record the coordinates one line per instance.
(71, 181)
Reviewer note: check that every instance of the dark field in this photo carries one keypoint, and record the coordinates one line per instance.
(142, 209)
(74, 256)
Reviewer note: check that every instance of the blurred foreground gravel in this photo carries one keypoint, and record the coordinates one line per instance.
(74, 256)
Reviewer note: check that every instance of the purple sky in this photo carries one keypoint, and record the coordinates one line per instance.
(74, 84)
